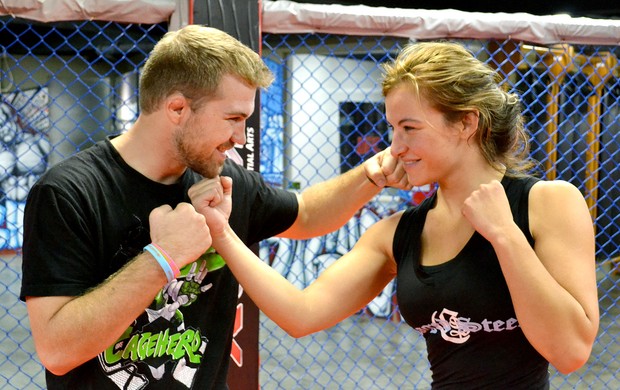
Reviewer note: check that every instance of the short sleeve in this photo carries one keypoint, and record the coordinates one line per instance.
(57, 259)
(259, 210)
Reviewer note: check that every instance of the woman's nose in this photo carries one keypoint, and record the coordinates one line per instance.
(397, 146)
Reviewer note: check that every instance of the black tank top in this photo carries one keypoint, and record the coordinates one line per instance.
(463, 307)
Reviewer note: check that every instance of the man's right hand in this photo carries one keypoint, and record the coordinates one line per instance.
(182, 232)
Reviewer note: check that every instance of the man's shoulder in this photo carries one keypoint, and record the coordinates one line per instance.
(80, 166)
(239, 173)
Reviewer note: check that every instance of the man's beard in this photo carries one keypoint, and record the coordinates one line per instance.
(196, 161)
(207, 169)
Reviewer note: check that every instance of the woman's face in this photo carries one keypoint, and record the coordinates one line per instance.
(422, 139)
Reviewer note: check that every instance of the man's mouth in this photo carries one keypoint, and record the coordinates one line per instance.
(234, 155)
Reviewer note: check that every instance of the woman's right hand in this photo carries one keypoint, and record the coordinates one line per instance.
(213, 199)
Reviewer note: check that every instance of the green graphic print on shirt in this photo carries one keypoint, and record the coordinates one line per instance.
(162, 341)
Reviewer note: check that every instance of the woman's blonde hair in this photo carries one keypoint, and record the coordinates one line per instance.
(192, 61)
(455, 83)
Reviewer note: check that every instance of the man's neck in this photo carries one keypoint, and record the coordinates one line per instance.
(149, 156)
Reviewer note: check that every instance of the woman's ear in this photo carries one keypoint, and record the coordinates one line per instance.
(469, 121)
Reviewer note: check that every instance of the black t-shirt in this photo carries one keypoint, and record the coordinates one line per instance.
(88, 216)
(463, 307)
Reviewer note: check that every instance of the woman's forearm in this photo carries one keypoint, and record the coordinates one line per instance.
(273, 294)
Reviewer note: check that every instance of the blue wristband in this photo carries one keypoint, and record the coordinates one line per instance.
(161, 260)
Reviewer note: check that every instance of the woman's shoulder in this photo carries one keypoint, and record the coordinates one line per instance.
(382, 233)
(557, 202)
(551, 190)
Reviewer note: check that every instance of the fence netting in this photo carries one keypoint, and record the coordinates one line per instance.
(327, 111)
(67, 85)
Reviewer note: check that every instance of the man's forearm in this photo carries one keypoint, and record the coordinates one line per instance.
(71, 331)
(326, 206)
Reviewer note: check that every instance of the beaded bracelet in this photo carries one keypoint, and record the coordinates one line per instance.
(165, 262)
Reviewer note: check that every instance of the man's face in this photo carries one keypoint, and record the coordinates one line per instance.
(216, 127)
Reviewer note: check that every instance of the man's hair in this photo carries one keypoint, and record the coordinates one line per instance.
(192, 61)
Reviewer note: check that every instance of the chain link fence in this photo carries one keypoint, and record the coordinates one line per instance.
(64, 87)
(67, 85)
(326, 110)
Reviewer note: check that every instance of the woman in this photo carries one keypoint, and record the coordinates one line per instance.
(496, 269)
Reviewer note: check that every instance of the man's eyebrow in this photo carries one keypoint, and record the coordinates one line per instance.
(237, 113)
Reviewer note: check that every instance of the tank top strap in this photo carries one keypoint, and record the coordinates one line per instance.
(517, 191)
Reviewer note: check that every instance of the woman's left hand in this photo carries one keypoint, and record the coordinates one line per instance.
(488, 210)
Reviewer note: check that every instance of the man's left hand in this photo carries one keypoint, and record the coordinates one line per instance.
(385, 170)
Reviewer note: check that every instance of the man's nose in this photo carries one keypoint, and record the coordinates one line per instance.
(238, 136)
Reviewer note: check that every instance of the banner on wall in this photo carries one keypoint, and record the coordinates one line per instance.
(272, 125)
(24, 127)
(239, 18)
(363, 132)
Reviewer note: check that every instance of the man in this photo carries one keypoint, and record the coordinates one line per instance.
(121, 288)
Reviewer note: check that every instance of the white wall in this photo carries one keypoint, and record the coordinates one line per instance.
(317, 85)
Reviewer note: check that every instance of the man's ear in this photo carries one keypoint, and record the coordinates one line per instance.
(177, 107)
(469, 121)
